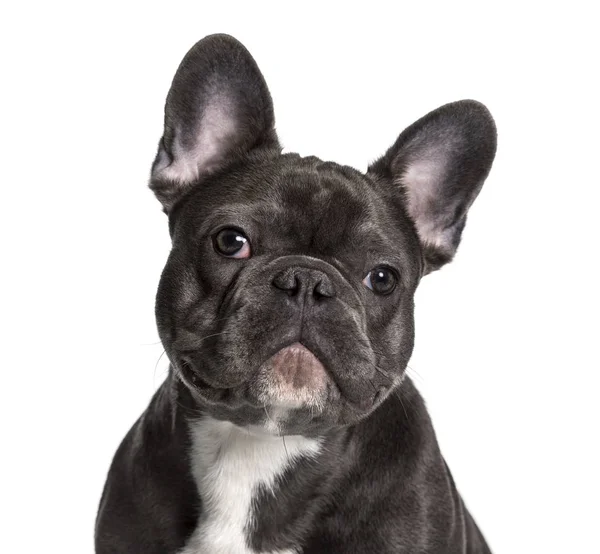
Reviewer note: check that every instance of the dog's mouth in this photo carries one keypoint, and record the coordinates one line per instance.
(190, 376)
(293, 377)
(294, 385)
(208, 392)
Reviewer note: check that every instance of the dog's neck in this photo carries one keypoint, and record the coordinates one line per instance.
(251, 482)
(233, 467)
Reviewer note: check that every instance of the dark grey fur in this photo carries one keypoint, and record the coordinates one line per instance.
(380, 483)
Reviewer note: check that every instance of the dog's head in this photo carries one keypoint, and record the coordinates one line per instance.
(287, 299)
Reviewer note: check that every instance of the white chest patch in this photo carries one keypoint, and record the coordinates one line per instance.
(228, 465)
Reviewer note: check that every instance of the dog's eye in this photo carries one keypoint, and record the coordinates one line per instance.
(232, 244)
(381, 280)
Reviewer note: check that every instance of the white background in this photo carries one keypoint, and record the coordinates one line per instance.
(507, 352)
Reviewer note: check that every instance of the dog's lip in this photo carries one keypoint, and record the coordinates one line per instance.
(302, 347)
(297, 350)
(219, 395)
(333, 380)
(214, 393)
(296, 346)
(190, 376)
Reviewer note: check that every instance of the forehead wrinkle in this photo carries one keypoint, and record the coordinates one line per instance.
(321, 193)
(334, 216)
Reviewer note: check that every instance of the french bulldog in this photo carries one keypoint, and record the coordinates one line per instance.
(287, 423)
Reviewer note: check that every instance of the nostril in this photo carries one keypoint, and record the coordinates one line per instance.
(287, 281)
(317, 291)
(323, 289)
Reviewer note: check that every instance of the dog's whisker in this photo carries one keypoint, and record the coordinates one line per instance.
(403, 407)
(269, 416)
(287, 454)
(414, 373)
(156, 366)
(191, 411)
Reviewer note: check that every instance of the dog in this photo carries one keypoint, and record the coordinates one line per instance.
(286, 423)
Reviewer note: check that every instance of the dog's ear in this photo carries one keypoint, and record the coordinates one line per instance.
(218, 109)
(439, 165)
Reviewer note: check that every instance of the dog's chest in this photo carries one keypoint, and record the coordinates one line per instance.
(229, 466)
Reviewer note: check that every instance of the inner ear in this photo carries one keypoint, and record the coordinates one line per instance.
(191, 153)
(217, 111)
(439, 165)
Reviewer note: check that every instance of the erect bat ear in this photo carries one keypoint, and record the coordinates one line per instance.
(439, 165)
(218, 109)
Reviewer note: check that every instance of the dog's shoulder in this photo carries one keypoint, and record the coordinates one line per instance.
(400, 480)
(149, 503)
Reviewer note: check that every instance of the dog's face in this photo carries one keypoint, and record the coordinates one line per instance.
(287, 299)
(290, 286)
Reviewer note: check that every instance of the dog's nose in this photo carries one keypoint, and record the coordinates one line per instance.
(302, 281)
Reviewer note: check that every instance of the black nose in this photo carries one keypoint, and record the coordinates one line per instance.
(302, 281)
